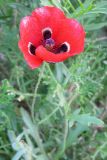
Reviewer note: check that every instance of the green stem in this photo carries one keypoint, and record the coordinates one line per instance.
(39, 143)
(52, 75)
(35, 92)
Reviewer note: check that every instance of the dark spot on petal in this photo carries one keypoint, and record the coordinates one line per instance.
(63, 48)
(46, 34)
(32, 49)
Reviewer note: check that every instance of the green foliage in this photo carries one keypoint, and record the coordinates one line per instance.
(55, 112)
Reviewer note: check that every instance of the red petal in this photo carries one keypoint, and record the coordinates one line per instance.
(48, 12)
(32, 60)
(47, 56)
(30, 30)
(49, 17)
(71, 31)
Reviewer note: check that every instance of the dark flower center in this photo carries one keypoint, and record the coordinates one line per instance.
(49, 44)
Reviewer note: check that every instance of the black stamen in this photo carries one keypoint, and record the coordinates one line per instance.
(32, 49)
(47, 34)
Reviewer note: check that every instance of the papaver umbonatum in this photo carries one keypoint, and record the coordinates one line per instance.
(48, 35)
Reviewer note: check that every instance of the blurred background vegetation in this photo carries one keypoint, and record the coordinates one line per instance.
(55, 112)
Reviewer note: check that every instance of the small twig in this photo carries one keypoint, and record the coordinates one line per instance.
(50, 115)
(99, 150)
(15, 13)
(99, 39)
(65, 134)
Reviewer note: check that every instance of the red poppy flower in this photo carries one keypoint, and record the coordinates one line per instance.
(48, 35)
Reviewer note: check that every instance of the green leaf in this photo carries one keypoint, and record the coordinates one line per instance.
(19, 154)
(46, 3)
(86, 119)
(27, 120)
(93, 26)
(74, 133)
